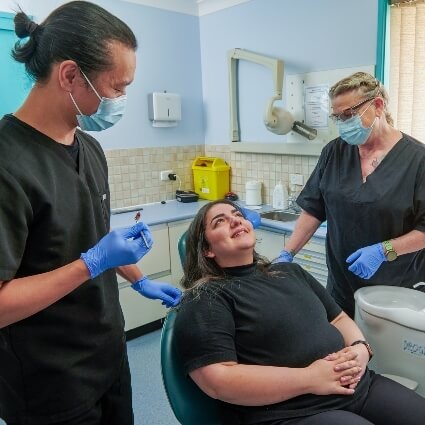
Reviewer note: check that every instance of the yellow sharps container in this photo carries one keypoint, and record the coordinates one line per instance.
(210, 177)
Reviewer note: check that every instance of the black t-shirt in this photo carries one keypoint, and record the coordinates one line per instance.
(56, 363)
(389, 204)
(254, 318)
(73, 150)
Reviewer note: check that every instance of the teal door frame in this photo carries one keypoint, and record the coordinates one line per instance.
(383, 42)
(14, 82)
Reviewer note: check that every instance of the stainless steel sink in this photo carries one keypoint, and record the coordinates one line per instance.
(280, 215)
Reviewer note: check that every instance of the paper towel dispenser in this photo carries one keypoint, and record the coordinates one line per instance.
(164, 109)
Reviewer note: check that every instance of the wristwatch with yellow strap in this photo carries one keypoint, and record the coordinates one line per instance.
(389, 251)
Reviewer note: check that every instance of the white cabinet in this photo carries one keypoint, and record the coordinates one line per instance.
(175, 230)
(269, 244)
(163, 263)
(137, 309)
(313, 259)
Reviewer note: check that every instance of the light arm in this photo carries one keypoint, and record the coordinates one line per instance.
(304, 229)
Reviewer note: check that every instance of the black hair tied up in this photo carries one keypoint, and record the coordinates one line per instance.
(77, 30)
(24, 26)
(24, 51)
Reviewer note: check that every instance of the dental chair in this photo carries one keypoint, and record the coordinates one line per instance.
(190, 405)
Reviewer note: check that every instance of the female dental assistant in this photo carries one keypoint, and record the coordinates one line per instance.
(63, 354)
(369, 184)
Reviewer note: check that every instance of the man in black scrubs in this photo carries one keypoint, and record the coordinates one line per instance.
(369, 184)
(63, 353)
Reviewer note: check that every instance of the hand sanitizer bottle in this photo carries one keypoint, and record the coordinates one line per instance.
(280, 197)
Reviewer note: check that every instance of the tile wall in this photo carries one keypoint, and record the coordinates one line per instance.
(134, 173)
(268, 169)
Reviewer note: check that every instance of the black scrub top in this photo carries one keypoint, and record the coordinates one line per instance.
(55, 364)
(389, 204)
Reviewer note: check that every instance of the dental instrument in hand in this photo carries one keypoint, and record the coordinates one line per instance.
(137, 218)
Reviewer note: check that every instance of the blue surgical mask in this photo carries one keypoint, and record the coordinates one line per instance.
(108, 113)
(352, 130)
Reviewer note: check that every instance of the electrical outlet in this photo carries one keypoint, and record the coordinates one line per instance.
(163, 175)
(297, 179)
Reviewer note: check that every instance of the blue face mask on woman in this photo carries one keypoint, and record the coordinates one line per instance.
(108, 113)
(352, 130)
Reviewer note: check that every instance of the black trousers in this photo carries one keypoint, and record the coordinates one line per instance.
(387, 403)
(115, 407)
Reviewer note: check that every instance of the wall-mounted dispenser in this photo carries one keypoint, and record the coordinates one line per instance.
(164, 109)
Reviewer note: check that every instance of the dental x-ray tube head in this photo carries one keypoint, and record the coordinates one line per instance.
(304, 130)
(278, 120)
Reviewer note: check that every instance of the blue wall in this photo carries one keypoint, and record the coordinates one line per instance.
(309, 35)
(186, 54)
(168, 58)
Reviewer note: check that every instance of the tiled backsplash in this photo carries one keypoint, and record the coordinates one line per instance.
(268, 169)
(134, 173)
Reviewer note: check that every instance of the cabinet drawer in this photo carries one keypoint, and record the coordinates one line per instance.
(157, 260)
(269, 244)
(138, 310)
(312, 256)
(313, 245)
(312, 267)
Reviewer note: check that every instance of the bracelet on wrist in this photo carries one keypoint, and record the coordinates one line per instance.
(366, 344)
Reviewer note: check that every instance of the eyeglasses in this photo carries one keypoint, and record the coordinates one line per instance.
(348, 113)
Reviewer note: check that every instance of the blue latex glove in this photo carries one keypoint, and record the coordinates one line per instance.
(156, 290)
(284, 257)
(253, 216)
(367, 260)
(118, 248)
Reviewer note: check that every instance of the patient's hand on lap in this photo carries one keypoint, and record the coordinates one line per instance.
(331, 376)
(349, 359)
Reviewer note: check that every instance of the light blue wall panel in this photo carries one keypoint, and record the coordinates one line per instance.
(168, 58)
(308, 35)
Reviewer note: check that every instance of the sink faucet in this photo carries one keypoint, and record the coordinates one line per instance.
(292, 204)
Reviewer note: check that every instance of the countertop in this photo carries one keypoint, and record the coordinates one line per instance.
(172, 210)
(157, 213)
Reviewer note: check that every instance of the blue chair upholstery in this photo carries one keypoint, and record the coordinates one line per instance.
(191, 406)
(181, 245)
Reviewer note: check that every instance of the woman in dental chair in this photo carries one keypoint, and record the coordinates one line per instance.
(269, 342)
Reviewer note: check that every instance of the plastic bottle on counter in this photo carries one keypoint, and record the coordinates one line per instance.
(280, 197)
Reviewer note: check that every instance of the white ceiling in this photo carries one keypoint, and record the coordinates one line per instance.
(190, 7)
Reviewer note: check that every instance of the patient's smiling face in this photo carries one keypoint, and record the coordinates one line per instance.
(230, 236)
